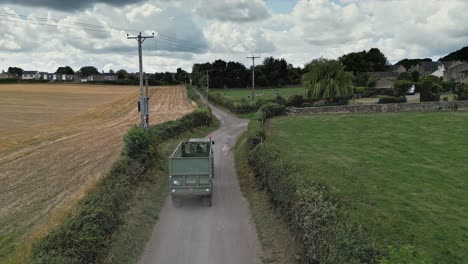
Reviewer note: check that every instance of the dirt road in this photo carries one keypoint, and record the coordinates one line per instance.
(200, 235)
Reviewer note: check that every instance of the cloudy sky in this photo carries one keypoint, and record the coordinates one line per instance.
(45, 34)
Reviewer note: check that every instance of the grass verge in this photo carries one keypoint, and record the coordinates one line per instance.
(279, 246)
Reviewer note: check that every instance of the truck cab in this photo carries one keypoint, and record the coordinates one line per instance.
(191, 170)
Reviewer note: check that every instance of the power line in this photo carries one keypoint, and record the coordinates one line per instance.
(90, 27)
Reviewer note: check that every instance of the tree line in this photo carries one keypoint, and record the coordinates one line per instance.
(222, 74)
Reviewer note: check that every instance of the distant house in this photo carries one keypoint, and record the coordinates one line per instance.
(6, 75)
(398, 68)
(425, 68)
(464, 77)
(440, 71)
(103, 77)
(456, 72)
(30, 75)
(385, 80)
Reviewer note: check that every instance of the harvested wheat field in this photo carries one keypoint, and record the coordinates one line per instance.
(57, 140)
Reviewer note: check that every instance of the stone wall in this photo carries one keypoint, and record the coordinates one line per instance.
(375, 108)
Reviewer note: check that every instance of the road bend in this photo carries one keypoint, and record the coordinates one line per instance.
(196, 234)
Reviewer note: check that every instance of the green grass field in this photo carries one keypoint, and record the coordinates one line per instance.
(403, 176)
(264, 93)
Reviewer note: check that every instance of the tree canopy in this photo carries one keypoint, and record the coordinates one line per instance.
(461, 54)
(327, 80)
(272, 72)
(122, 74)
(15, 70)
(365, 61)
(65, 70)
(408, 63)
(88, 70)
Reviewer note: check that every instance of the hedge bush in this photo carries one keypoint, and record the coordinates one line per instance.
(84, 238)
(430, 91)
(295, 100)
(391, 100)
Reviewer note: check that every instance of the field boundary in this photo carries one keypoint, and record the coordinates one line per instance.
(385, 108)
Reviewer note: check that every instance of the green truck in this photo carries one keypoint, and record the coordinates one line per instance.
(191, 170)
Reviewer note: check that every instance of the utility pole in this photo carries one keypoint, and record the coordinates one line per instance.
(253, 74)
(146, 103)
(207, 84)
(140, 40)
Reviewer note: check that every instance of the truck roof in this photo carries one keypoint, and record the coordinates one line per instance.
(204, 140)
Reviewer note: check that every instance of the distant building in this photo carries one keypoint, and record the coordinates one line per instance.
(456, 72)
(464, 77)
(30, 75)
(103, 77)
(385, 79)
(426, 68)
(7, 75)
(398, 68)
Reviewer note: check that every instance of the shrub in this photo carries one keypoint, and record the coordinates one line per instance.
(429, 91)
(307, 104)
(391, 100)
(448, 86)
(272, 109)
(400, 87)
(295, 100)
(462, 93)
(280, 100)
(445, 99)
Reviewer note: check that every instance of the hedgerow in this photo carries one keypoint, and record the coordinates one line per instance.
(85, 237)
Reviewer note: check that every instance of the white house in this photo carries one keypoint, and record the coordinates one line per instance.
(30, 75)
(439, 72)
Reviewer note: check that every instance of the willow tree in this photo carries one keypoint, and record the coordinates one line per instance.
(327, 80)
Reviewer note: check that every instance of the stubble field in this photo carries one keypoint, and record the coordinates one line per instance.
(56, 141)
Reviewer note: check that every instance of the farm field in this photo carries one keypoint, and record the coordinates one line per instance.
(403, 176)
(264, 93)
(57, 140)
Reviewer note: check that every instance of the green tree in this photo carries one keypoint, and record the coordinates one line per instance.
(408, 63)
(15, 70)
(430, 91)
(122, 74)
(327, 80)
(415, 76)
(365, 61)
(65, 70)
(461, 54)
(400, 87)
(88, 70)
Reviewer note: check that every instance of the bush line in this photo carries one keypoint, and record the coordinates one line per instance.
(85, 237)
(313, 214)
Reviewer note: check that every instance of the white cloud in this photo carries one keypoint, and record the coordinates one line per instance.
(231, 29)
(233, 10)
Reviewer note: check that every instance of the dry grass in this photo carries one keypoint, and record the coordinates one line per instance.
(57, 141)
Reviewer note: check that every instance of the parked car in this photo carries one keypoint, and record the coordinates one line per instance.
(411, 90)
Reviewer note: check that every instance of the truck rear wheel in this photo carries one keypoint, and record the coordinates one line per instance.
(176, 201)
(208, 201)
